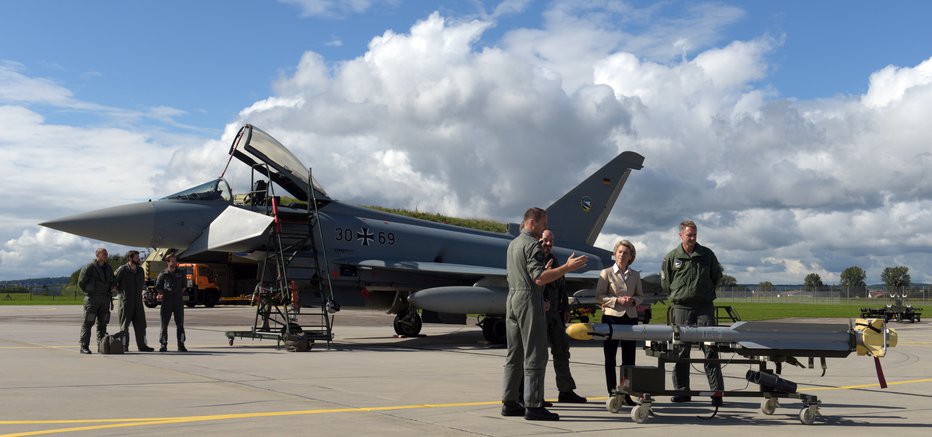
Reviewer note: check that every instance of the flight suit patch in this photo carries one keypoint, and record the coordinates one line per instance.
(677, 264)
(539, 256)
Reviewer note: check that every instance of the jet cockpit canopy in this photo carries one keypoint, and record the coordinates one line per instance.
(267, 156)
(214, 190)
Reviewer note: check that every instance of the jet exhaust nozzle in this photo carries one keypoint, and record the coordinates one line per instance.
(771, 381)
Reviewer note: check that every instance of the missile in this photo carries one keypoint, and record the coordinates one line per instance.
(865, 336)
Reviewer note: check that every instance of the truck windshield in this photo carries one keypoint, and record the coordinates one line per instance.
(217, 189)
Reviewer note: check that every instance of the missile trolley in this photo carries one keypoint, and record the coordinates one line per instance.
(757, 343)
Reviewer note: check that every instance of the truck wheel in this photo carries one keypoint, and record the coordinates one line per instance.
(211, 297)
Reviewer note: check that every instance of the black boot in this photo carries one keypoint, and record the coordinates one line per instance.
(540, 413)
(512, 409)
(570, 397)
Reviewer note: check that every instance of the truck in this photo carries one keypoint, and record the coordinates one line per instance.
(201, 287)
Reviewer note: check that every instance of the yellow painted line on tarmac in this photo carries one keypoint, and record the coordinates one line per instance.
(145, 421)
(99, 424)
(854, 387)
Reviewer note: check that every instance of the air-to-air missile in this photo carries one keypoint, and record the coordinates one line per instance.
(758, 342)
(864, 336)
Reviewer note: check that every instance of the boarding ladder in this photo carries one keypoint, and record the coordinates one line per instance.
(292, 260)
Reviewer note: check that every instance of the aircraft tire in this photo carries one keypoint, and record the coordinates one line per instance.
(150, 304)
(493, 329)
(408, 323)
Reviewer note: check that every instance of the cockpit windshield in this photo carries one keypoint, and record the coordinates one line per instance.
(266, 155)
(217, 189)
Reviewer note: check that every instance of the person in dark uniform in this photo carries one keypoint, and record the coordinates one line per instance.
(171, 282)
(556, 309)
(130, 281)
(619, 291)
(689, 276)
(96, 281)
(525, 322)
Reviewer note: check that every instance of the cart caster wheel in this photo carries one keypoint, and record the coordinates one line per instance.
(808, 414)
(231, 342)
(640, 413)
(613, 404)
(769, 405)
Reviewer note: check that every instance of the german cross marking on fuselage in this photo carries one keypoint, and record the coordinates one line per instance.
(365, 237)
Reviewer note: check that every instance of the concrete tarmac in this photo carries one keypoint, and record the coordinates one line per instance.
(371, 383)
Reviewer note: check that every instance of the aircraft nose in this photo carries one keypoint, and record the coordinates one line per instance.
(130, 225)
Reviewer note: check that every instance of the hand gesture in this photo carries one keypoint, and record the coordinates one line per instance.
(576, 262)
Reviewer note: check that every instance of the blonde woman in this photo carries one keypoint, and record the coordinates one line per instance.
(619, 290)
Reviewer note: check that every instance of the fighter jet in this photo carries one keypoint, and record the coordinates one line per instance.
(367, 258)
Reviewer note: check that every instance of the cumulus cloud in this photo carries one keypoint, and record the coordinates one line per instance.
(438, 119)
(333, 8)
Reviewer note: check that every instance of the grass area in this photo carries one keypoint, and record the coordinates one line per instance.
(35, 299)
(771, 311)
(748, 311)
(480, 224)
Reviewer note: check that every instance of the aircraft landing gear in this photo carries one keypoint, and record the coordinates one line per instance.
(493, 329)
(408, 323)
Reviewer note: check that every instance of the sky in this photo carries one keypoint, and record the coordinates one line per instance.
(795, 133)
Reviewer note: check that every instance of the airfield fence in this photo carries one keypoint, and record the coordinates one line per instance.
(917, 296)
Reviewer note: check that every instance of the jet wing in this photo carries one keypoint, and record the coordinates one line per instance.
(431, 267)
(457, 269)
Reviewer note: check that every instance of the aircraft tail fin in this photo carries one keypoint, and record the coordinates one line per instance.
(579, 215)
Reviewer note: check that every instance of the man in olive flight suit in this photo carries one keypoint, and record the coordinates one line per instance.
(96, 280)
(130, 281)
(556, 306)
(525, 322)
(171, 282)
(689, 276)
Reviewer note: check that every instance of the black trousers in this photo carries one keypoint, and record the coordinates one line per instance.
(610, 348)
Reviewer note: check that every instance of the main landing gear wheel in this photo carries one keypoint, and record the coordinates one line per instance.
(408, 323)
(808, 414)
(769, 405)
(640, 413)
(493, 329)
(613, 404)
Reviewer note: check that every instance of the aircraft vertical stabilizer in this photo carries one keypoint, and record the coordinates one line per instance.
(579, 215)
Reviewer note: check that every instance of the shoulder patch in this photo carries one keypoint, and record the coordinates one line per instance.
(539, 256)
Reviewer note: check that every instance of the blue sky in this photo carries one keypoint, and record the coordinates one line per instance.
(789, 130)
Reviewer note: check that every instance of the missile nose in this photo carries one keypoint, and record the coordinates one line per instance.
(579, 331)
(130, 225)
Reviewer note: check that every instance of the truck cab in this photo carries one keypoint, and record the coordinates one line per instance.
(201, 286)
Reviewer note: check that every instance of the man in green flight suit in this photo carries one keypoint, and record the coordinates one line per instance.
(525, 322)
(689, 276)
(556, 307)
(130, 281)
(96, 281)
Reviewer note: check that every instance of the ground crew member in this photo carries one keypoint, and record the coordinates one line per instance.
(171, 282)
(130, 281)
(96, 281)
(556, 306)
(689, 276)
(525, 323)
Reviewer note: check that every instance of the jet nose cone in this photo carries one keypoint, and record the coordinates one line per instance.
(130, 225)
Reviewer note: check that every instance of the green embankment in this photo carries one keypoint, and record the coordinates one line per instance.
(480, 224)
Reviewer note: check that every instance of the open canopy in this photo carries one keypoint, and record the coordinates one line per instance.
(267, 156)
